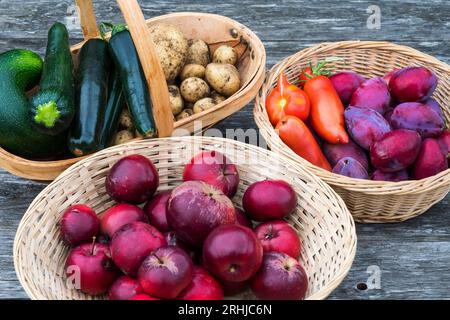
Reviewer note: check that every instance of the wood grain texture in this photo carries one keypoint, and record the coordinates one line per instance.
(413, 257)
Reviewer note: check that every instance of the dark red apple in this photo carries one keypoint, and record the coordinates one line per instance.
(279, 236)
(156, 211)
(166, 272)
(91, 268)
(132, 179)
(132, 243)
(242, 219)
(215, 169)
(124, 288)
(234, 288)
(79, 224)
(202, 287)
(119, 215)
(195, 208)
(143, 296)
(269, 200)
(280, 277)
(232, 253)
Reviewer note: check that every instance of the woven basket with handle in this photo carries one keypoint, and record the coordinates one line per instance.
(214, 29)
(324, 224)
(368, 201)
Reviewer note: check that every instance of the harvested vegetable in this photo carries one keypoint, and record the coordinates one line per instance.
(186, 113)
(192, 70)
(194, 89)
(225, 54)
(122, 137)
(176, 101)
(125, 120)
(224, 78)
(203, 104)
(198, 53)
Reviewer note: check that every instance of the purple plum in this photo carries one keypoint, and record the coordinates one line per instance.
(335, 152)
(397, 176)
(431, 160)
(346, 84)
(373, 94)
(413, 84)
(351, 168)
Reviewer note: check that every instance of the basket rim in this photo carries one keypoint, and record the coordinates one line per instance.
(253, 84)
(333, 197)
(351, 184)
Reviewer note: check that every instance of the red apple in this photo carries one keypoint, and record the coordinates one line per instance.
(91, 267)
(132, 179)
(202, 287)
(242, 219)
(119, 215)
(280, 277)
(166, 272)
(173, 239)
(234, 288)
(232, 253)
(143, 296)
(215, 169)
(132, 243)
(79, 224)
(156, 211)
(279, 236)
(195, 209)
(124, 288)
(269, 200)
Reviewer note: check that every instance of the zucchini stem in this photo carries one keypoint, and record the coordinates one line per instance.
(104, 26)
(47, 114)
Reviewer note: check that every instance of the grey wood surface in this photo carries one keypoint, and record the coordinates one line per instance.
(413, 257)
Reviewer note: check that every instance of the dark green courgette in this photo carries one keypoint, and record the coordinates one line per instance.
(53, 107)
(113, 110)
(91, 95)
(134, 84)
(20, 70)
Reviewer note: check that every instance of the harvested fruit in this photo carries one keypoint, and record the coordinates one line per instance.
(396, 150)
(166, 272)
(444, 140)
(327, 110)
(79, 224)
(346, 84)
(232, 253)
(132, 179)
(387, 77)
(286, 99)
(279, 236)
(132, 243)
(124, 288)
(431, 160)
(234, 288)
(93, 265)
(419, 117)
(351, 168)
(202, 287)
(396, 176)
(269, 199)
(173, 239)
(297, 136)
(335, 152)
(280, 277)
(156, 211)
(433, 104)
(242, 219)
(200, 202)
(372, 94)
(366, 126)
(413, 84)
(215, 169)
(119, 215)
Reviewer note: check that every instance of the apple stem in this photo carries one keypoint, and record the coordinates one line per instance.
(232, 268)
(93, 246)
(269, 235)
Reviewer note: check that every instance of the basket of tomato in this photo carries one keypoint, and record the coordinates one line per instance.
(369, 118)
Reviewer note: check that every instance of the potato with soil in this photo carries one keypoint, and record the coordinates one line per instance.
(217, 98)
(203, 104)
(186, 113)
(198, 52)
(194, 89)
(171, 47)
(176, 101)
(225, 54)
(125, 120)
(123, 136)
(192, 70)
(223, 78)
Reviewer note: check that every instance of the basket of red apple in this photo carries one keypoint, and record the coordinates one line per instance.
(185, 218)
(369, 118)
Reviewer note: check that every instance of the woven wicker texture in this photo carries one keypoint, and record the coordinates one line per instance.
(368, 201)
(322, 220)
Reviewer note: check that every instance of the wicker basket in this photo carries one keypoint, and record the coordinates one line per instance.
(322, 220)
(368, 201)
(214, 29)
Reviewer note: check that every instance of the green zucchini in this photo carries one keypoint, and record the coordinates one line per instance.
(20, 71)
(91, 95)
(134, 84)
(113, 110)
(53, 107)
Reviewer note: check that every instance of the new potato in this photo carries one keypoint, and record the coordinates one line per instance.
(194, 89)
(223, 78)
(203, 104)
(198, 52)
(225, 54)
(192, 70)
(176, 101)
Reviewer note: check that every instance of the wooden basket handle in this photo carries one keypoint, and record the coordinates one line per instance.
(87, 19)
(151, 66)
